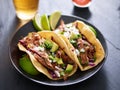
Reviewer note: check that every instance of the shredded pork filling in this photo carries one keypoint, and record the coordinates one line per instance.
(88, 54)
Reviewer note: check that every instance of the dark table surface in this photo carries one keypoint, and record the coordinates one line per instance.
(104, 14)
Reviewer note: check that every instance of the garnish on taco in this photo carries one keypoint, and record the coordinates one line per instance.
(47, 53)
(85, 48)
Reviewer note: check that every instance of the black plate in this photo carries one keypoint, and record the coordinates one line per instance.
(79, 76)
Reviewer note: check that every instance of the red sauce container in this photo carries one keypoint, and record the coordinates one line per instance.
(82, 3)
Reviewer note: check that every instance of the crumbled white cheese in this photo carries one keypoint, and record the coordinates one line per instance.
(67, 34)
(69, 25)
(69, 30)
(41, 48)
(75, 30)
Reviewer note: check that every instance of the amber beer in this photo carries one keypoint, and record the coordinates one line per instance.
(26, 9)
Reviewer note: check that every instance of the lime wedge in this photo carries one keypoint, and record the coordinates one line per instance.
(37, 22)
(93, 30)
(27, 65)
(54, 18)
(45, 22)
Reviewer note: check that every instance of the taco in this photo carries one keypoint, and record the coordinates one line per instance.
(83, 44)
(47, 53)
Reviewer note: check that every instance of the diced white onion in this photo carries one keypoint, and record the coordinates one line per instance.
(77, 52)
(41, 48)
(82, 50)
(50, 61)
(38, 48)
(57, 73)
(60, 69)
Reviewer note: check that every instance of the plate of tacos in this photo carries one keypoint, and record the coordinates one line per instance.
(71, 53)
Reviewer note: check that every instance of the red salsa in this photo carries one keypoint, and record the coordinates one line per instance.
(81, 2)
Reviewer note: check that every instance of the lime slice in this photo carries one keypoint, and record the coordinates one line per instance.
(37, 22)
(54, 18)
(27, 65)
(45, 22)
(93, 30)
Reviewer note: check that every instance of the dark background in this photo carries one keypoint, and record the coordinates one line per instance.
(104, 14)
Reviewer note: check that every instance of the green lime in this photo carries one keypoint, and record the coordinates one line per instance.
(27, 65)
(45, 22)
(37, 22)
(54, 18)
(92, 29)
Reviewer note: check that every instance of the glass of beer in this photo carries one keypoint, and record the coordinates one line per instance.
(26, 9)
